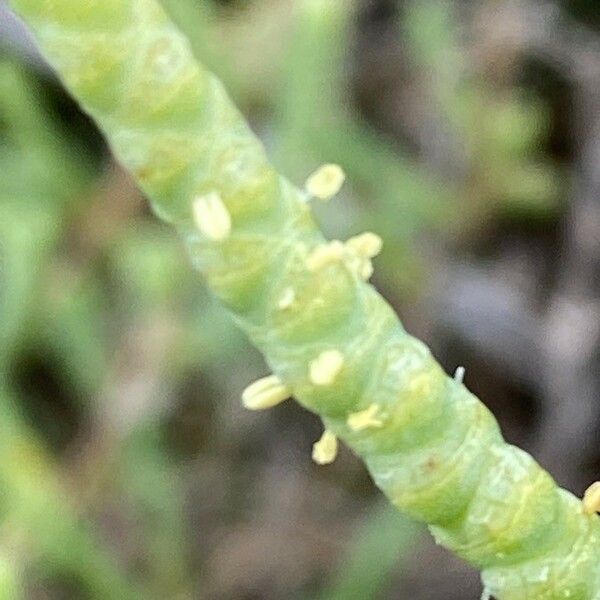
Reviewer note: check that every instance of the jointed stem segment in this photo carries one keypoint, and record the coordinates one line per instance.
(329, 337)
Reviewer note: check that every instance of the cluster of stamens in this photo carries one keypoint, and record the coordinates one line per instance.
(213, 220)
(357, 254)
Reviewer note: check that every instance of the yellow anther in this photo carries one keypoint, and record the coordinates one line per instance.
(265, 393)
(365, 419)
(326, 182)
(326, 367)
(367, 245)
(324, 255)
(325, 451)
(591, 499)
(287, 299)
(212, 217)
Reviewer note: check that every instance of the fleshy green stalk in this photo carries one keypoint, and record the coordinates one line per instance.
(332, 341)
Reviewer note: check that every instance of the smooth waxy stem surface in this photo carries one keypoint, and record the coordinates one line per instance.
(430, 445)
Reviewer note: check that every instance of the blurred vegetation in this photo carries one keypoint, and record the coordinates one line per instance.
(119, 375)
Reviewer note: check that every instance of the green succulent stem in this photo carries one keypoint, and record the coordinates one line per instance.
(430, 445)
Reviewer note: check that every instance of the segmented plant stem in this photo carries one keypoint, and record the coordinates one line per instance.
(430, 445)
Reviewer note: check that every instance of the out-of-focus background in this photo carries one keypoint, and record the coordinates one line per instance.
(470, 132)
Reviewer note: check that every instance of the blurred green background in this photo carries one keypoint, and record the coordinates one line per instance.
(470, 133)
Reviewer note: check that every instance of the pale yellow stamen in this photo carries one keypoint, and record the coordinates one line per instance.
(325, 451)
(591, 499)
(287, 298)
(326, 182)
(265, 393)
(324, 369)
(212, 217)
(365, 419)
(367, 245)
(324, 255)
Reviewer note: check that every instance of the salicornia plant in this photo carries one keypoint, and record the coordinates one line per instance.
(330, 339)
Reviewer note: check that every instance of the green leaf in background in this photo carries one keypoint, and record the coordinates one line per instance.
(381, 545)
